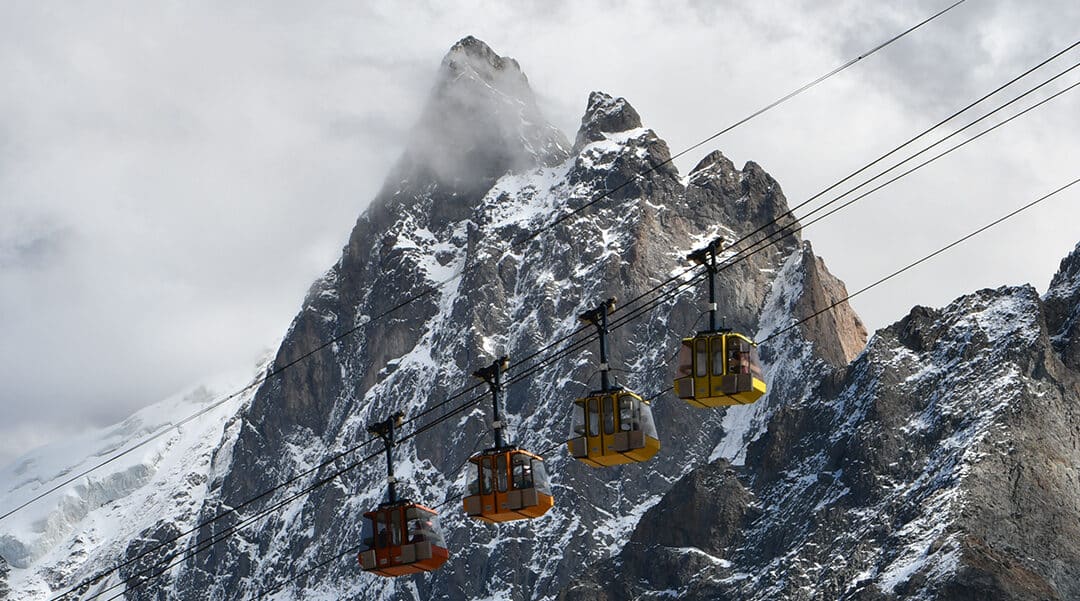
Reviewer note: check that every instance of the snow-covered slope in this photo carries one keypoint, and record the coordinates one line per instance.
(942, 463)
(808, 470)
(85, 526)
(496, 291)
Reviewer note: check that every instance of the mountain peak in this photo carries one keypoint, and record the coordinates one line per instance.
(472, 54)
(480, 122)
(605, 115)
(1062, 306)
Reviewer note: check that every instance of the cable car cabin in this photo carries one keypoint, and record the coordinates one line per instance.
(613, 428)
(507, 484)
(717, 369)
(404, 538)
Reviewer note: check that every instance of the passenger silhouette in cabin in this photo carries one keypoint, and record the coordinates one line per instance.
(523, 476)
(382, 537)
(420, 526)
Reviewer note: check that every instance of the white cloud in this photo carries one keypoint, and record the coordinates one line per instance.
(172, 177)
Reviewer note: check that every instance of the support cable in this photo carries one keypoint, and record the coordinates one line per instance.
(273, 372)
(439, 420)
(618, 323)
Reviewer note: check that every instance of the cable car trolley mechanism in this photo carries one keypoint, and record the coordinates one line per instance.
(612, 426)
(405, 537)
(506, 483)
(717, 367)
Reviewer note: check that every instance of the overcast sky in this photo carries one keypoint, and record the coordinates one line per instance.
(173, 175)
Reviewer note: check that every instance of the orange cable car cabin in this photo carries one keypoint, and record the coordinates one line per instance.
(405, 539)
(611, 426)
(717, 367)
(400, 537)
(505, 483)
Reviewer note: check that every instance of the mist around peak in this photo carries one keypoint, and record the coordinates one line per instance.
(480, 122)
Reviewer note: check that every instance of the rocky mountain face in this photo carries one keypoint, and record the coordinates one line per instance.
(924, 463)
(942, 463)
(88, 526)
(496, 293)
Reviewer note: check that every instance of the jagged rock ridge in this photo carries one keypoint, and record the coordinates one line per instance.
(482, 169)
(425, 229)
(942, 463)
(422, 230)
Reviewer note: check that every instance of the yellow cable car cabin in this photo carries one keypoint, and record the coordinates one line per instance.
(507, 484)
(718, 369)
(403, 538)
(612, 428)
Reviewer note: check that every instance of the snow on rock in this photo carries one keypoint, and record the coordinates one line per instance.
(86, 524)
(501, 290)
(857, 472)
(1062, 301)
(886, 478)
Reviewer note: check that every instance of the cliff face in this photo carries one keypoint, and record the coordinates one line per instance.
(494, 294)
(929, 463)
(1063, 310)
(943, 463)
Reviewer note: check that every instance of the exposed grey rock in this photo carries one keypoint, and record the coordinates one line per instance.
(937, 461)
(838, 334)
(944, 465)
(1063, 309)
(605, 115)
(511, 297)
(480, 122)
(5, 590)
(699, 520)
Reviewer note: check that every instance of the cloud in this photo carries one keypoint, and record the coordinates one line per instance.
(172, 178)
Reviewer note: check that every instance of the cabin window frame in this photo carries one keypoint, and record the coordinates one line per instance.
(502, 473)
(607, 413)
(627, 413)
(395, 515)
(716, 356)
(521, 472)
(487, 478)
(634, 412)
(541, 480)
(685, 365)
(592, 417)
(701, 358)
(579, 427)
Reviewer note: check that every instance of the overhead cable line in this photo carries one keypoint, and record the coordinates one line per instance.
(790, 212)
(580, 343)
(328, 462)
(922, 260)
(143, 576)
(767, 241)
(926, 162)
(349, 552)
(441, 419)
(179, 556)
(745, 119)
(424, 293)
(790, 231)
(750, 251)
(153, 571)
(728, 263)
(794, 325)
(785, 232)
(161, 432)
(927, 149)
(478, 399)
